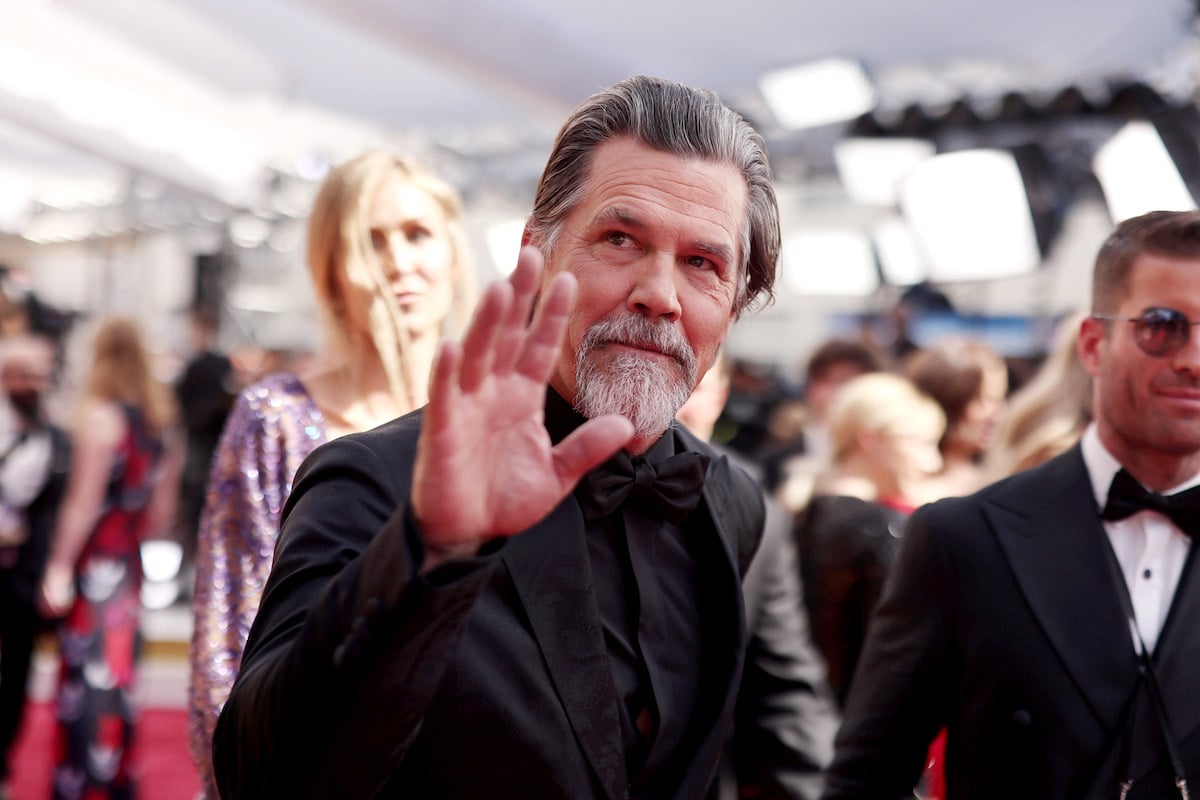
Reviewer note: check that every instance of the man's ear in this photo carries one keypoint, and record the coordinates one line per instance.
(1092, 335)
(526, 236)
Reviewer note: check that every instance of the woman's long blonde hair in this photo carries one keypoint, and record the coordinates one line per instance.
(879, 402)
(122, 373)
(1050, 412)
(339, 243)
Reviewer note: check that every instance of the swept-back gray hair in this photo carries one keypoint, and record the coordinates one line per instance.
(676, 119)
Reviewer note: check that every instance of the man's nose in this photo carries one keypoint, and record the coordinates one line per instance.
(1188, 357)
(654, 291)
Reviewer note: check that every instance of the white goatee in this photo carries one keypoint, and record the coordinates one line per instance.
(643, 388)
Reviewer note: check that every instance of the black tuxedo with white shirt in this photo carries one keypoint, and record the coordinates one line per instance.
(1003, 620)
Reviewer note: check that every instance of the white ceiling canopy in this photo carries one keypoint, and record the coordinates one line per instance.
(213, 96)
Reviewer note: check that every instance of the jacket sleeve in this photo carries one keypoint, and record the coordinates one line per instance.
(786, 717)
(902, 688)
(350, 643)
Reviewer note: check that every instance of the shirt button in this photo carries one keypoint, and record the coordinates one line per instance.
(1146, 574)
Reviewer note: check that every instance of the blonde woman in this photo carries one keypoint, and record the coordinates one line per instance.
(884, 433)
(1048, 414)
(121, 488)
(390, 270)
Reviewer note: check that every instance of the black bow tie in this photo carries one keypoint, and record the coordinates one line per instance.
(669, 488)
(1127, 497)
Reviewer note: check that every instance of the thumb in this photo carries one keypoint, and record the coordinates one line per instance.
(588, 446)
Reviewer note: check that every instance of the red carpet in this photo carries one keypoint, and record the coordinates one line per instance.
(167, 772)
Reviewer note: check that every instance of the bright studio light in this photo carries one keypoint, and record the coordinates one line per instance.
(872, 169)
(900, 259)
(1138, 175)
(819, 93)
(504, 243)
(970, 216)
(829, 262)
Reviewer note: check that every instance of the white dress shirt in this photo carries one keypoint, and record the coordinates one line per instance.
(1150, 548)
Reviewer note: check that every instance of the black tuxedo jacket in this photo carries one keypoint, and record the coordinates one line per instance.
(486, 677)
(1002, 620)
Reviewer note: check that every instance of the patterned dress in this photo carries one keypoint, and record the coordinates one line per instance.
(99, 639)
(274, 425)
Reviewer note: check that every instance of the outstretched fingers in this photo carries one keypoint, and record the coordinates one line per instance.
(497, 336)
(479, 343)
(525, 281)
(444, 385)
(541, 348)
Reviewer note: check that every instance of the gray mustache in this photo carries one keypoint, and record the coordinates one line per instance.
(634, 331)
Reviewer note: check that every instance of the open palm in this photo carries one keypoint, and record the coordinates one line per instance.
(485, 464)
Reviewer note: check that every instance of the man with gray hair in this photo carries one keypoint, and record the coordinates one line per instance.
(530, 588)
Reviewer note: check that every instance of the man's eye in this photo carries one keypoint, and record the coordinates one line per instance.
(616, 238)
(700, 262)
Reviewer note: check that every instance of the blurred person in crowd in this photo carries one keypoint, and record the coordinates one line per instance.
(34, 458)
(785, 718)
(884, 433)
(389, 264)
(205, 394)
(531, 588)
(22, 312)
(916, 303)
(1048, 622)
(1048, 414)
(970, 381)
(831, 365)
(122, 488)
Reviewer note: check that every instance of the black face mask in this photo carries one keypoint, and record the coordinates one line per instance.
(26, 403)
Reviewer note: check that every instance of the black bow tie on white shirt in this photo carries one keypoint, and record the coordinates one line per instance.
(668, 489)
(1126, 497)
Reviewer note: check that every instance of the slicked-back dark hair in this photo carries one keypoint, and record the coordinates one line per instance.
(676, 119)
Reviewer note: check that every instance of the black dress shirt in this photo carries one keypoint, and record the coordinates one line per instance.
(649, 577)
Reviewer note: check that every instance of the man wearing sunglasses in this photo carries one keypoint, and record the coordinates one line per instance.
(1051, 622)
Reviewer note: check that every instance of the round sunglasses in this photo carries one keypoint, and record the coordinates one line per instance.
(1158, 332)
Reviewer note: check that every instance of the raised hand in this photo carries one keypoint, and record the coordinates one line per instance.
(485, 464)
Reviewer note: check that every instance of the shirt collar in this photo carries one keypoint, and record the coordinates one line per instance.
(561, 418)
(1102, 466)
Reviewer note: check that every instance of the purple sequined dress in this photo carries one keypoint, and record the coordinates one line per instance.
(272, 428)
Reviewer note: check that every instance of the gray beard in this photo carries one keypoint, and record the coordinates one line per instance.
(643, 389)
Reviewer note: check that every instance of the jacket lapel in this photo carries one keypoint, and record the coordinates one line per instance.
(1178, 652)
(725, 491)
(1047, 524)
(551, 571)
